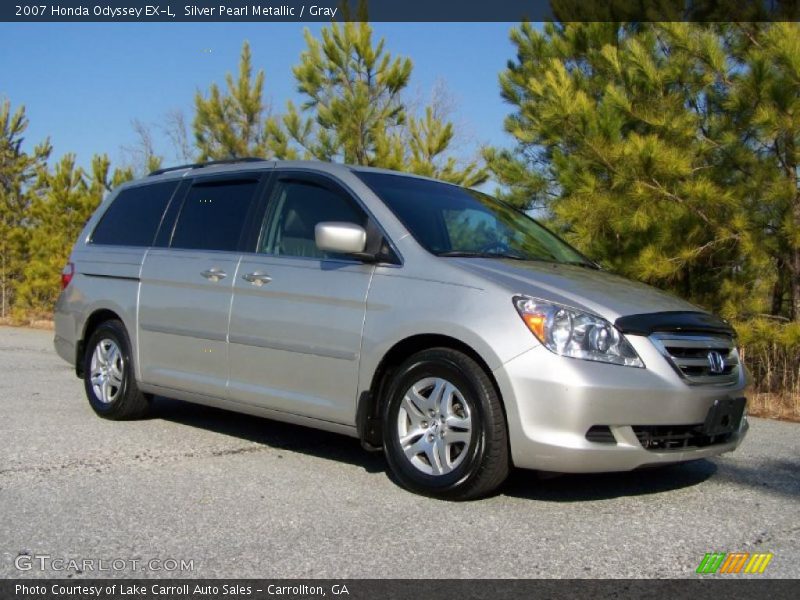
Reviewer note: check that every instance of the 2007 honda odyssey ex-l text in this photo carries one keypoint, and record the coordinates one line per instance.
(428, 319)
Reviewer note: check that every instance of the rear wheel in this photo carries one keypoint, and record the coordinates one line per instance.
(444, 430)
(108, 374)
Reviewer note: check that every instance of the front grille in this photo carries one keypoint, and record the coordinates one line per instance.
(691, 356)
(676, 437)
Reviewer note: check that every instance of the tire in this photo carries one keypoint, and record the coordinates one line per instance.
(108, 375)
(444, 430)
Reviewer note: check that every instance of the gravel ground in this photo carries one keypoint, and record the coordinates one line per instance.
(246, 497)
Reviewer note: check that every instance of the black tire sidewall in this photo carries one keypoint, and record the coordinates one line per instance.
(459, 375)
(115, 332)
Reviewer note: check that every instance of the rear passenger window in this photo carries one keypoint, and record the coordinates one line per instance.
(214, 214)
(134, 215)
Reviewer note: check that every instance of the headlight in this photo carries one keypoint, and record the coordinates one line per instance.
(577, 334)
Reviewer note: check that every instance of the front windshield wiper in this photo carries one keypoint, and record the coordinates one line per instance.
(461, 254)
(581, 263)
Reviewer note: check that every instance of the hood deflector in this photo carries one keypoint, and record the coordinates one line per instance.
(648, 323)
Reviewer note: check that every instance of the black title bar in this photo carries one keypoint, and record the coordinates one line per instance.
(148, 11)
(708, 587)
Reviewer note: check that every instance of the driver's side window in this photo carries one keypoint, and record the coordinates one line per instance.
(298, 207)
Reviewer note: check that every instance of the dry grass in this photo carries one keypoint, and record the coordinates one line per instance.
(781, 406)
(771, 355)
(29, 323)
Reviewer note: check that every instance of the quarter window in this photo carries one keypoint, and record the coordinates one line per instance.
(299, 206)
(134, 216)
(214, 214)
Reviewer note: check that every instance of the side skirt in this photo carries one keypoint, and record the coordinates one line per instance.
(250, 409)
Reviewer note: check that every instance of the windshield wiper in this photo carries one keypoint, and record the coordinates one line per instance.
(580, 263)
(461, 254)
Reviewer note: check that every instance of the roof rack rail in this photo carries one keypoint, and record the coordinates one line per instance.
(211, 163)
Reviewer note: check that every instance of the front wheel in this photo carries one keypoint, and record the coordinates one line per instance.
(444, 430)
(108, 375)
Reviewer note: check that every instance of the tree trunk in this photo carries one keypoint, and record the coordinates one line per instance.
(3, 283)
(778, 290)
(794, 262)
(794, 285)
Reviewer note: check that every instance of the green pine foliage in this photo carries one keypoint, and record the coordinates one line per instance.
(354, 110)
(20, 177)
(67, 198)
(428, 143)
(54, 215)
(665, 150)
(232, 124)
(352, 89)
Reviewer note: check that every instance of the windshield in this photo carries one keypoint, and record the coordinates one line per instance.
(454, 221)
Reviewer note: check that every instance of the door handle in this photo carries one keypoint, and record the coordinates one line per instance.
(257, 278)
(214, 274)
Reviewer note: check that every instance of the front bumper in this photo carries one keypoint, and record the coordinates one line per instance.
(552, 401)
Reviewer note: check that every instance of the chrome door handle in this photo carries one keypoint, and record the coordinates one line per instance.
(257, 278)
(214, 274)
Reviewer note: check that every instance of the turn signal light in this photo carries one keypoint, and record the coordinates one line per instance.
(535, 323)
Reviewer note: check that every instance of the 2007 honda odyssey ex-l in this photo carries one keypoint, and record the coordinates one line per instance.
(430, 320)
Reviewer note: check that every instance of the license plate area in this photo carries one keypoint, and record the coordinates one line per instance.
(724, 416)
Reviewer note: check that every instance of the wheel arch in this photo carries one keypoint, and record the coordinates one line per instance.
(368, 413)
(95, 319)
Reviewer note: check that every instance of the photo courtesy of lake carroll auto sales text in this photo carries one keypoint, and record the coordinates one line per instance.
(176, 590)
(374, 299)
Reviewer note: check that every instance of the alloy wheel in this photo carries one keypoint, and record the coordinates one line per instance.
(107, 371)
(434, 426)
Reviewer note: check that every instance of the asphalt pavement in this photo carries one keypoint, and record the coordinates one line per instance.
(224, 495)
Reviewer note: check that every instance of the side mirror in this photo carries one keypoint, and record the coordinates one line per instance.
(340, 238)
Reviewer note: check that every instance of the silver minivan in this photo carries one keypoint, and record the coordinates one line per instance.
(428, 320)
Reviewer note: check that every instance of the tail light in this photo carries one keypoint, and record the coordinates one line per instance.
(66, 274)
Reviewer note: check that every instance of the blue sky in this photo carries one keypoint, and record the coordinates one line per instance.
(82, 84)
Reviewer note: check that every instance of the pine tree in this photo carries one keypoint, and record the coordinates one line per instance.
(765, 103)
(429, 139)
(103, 178)
(55, 221)
(353, 91)
(354, 110)
(666, 150)
(232, 124)
(19, 173)
(68, 197)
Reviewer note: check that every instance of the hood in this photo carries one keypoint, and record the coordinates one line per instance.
(602, 293)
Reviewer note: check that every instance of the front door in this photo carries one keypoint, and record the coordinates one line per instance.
(297, 312)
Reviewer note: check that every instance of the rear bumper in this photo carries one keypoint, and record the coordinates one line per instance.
(64, 348)
(65, 340)
(552, 402)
